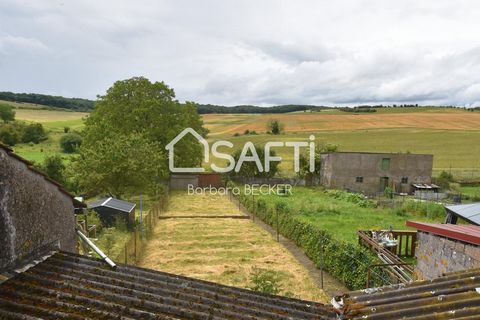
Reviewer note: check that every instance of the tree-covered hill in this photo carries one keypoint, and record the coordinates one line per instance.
(74, 104)
(209, 108)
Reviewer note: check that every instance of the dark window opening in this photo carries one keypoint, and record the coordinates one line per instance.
(359, 179)
(405, 180)
(386, 164)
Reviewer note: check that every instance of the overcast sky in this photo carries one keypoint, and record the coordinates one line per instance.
(247, 52)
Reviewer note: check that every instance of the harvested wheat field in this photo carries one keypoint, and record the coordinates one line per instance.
(227, 124)
(222, 250)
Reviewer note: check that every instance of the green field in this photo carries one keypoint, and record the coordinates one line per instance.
(338, 214)
(471, 193)
(407, 129)
(54, 122)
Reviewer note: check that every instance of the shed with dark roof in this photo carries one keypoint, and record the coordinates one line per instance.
(111, 209)
(469, 212)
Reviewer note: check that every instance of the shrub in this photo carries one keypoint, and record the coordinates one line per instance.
(70, 142)
(8, 137)
(424, 208)
(266, 281)
(356, 198)
(93, 219)
(66, 129)
(53, 166)
(444, 180)
(34, 133)
(6, 113)
(275, 126)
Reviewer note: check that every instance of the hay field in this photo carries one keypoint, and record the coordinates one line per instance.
(229, 124)
(49, 116)
(221, 250)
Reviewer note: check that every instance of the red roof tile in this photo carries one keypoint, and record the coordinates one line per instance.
(465, 233)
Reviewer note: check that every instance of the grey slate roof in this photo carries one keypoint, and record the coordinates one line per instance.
(69, 286)
(113, 203)
(470, 212)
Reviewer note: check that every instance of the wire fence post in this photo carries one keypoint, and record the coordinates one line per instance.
(253, 207)
(135, 244)
(276, 214)
(321, 263)
(126, 254)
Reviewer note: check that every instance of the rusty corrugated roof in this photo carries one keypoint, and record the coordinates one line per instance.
(455, 295)
(462, 232)
(70, 286)
(30, 166)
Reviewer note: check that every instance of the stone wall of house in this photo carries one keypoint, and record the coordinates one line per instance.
(34, 215)
(339, 170)
(437, 255)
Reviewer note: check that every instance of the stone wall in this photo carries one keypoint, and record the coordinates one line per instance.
(339, 170)
(34, 215)
(437, 255)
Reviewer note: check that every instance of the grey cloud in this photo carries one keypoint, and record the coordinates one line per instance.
(247, 52)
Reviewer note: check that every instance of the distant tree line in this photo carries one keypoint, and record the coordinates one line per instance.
(79, 104)
(210, 108)
(75, 104)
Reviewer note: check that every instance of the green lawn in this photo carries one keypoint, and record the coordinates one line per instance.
(457, 151)
(471, 193)
(343, 218)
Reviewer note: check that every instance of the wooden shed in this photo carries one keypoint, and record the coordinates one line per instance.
(111, 209)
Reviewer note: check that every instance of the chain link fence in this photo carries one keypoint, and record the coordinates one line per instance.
(142, 232)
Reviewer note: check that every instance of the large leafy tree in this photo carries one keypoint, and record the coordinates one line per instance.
(121, 165)
(6, 113)
(123, 150)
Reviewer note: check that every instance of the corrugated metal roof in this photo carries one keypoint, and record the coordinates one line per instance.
(427, 186)
(76, 287)
(113, 203)
(30, 166)
(470, 212)
(461, 232)
(452, 296)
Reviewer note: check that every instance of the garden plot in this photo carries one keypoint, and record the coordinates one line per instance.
(223, 250)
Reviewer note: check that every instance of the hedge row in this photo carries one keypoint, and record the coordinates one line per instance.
(345, 261)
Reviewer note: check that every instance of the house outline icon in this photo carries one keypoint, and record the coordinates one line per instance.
(171, 147)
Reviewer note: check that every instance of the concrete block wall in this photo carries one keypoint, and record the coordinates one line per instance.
(437, 255)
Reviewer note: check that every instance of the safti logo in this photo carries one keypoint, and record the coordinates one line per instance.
(248, 148)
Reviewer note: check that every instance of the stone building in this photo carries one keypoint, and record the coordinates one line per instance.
(370, 173)
(445, 248)
(36, 213)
